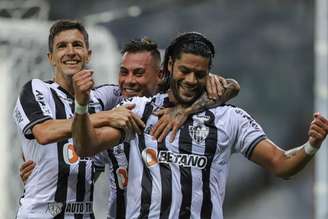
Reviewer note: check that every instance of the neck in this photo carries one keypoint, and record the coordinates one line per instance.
(65, 82)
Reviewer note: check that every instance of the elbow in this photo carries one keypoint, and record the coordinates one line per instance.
(280, 171)
(233, 87)
(42, 138)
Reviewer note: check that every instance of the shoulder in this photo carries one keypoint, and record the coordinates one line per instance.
(231, 113)
(35, 83)
(108, 87)
(107, 90)
(34, 86)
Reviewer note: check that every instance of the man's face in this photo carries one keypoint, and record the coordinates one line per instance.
(189, 75)
(139, 74)
(70, 54)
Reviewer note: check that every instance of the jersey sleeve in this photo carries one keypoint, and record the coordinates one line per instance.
(248, 132)
(32, 107)
(108, 95)
(140, 103)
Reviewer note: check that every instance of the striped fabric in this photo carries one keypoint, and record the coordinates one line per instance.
(186, 178)
(61, 185)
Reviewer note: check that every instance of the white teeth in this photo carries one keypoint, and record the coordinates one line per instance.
(130, 90)
(70, 62)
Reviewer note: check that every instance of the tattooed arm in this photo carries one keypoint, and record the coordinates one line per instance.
(173, 118)
(231, 89)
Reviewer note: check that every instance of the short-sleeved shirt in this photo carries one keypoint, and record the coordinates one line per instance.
(186, 178)
(61, 185)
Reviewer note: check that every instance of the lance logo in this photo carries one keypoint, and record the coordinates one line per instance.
(55, 208)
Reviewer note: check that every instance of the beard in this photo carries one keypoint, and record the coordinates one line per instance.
(181, 99)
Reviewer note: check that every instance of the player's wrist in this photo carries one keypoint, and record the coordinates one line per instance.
(309, 149)
(80, 109)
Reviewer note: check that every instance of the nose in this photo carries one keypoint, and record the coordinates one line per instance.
(70, 49)
(191, 78)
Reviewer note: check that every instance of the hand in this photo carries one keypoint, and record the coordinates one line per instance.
(219, 87)
(123, 118)
(170, 118)
(26, 170)
(215, 86)
(83, 83)
(318, 130)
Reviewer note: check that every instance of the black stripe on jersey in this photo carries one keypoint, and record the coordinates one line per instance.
(127, 150)
(166, 180)
(210, 149)
(80, 187)
(251, 147)
(146, 182)
(92, 216)
(101, 104)
(120, 202)
(185, 147)
(91, 110)
(63, 168)
(31, 108)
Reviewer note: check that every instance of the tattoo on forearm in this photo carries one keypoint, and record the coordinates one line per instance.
(204, 102)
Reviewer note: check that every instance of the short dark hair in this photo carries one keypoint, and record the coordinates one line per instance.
(189, 42)
(144, 44)
(63, 25)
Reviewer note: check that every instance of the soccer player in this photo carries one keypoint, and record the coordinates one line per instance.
(139, 75)
(61, 185)
(186, 178)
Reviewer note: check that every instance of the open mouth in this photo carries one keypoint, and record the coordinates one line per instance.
(71, 62)
(131, 90)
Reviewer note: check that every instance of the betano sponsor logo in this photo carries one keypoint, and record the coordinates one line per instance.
(151, 158)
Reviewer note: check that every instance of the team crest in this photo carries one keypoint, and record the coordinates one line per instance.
(198, 132)
(55, 208)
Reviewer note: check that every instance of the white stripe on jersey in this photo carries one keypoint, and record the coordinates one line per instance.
(117, 177)
(186, 178)
(61, 181)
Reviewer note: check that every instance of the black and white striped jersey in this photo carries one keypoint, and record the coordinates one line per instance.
(186, 178)
(61, 185)
(116, 160)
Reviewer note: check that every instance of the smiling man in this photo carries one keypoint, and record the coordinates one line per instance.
(186, 178)
(140, 72)
(61, 184)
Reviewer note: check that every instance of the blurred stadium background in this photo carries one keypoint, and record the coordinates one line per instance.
(267, 45)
